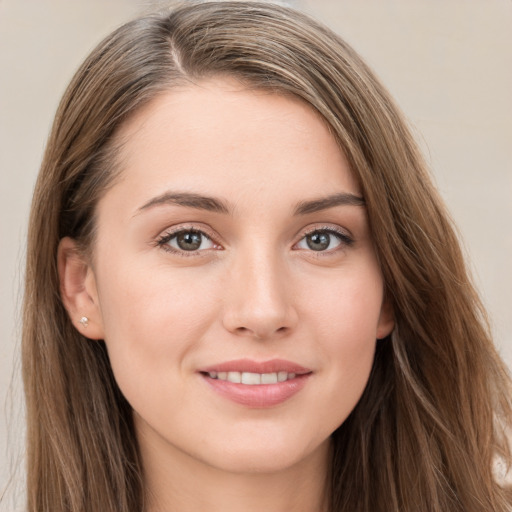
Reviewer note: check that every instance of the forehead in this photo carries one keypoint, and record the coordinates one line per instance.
(219, 138)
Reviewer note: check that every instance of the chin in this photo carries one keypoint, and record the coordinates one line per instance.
(267, 456)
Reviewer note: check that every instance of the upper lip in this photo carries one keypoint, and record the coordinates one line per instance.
(250, 366)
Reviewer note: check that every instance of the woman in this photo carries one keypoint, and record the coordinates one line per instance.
(243, 290)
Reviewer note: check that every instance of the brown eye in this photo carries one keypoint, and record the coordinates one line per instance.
(188, 241)
(319, 241)
(322, 240)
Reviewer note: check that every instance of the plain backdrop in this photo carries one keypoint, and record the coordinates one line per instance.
(447, 62)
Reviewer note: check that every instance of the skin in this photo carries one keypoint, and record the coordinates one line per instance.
(255, 290)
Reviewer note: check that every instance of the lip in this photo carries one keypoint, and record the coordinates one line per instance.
(248, 365)
(262, 395)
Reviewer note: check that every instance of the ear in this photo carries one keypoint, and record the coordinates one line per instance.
(386, 322)
(78, 290)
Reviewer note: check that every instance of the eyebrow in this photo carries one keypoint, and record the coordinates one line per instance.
(316, 205)
(213, 204)
(188, 199)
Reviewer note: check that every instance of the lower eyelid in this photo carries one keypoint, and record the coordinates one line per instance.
(342, 237)
(164, 240)
(205, 239)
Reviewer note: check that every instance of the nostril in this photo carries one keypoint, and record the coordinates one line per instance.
(259, 333)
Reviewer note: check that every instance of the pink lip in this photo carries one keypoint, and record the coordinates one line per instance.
(261, 395)
(248, 365)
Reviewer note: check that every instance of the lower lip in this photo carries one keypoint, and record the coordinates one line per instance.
(259, 395)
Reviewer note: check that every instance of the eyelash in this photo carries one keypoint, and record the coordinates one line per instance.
(345, 239)
(163, 241)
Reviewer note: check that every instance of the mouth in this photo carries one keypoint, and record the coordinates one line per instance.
(256, 384)
(251, 378)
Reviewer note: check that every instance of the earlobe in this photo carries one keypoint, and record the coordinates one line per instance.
(386, 320)
(78, 290)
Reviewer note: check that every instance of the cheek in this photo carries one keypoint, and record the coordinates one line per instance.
(343, 315)
(344, 308)
(152, 320)
(135, 299)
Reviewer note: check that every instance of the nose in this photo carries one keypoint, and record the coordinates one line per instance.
(258, 298)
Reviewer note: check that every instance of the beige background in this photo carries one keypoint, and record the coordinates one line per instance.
(448, 63)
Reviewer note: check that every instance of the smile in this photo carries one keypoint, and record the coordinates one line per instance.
(256, 384)
(252, 379)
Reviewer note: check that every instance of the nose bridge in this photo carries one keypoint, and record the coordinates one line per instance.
(258, 299)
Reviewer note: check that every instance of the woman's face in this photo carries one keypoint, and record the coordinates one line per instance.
(235, 247)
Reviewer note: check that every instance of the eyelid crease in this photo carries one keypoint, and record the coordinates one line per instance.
(163, 239)
(345, 238)
(344, 234)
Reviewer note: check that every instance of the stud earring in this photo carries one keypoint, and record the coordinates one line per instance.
(84, 321)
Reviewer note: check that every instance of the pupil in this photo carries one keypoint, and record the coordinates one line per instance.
(318, 241)
(189, 241)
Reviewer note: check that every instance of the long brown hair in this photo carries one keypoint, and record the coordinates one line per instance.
(431, 425)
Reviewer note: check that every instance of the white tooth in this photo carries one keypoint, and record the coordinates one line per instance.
(291, 376)
(213, 375)
(251, 378)
(269, 378)
(282, 376)
(222, 375)
(234, 377)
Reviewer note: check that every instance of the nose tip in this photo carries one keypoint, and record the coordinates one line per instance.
(259, 304)
(260, 329)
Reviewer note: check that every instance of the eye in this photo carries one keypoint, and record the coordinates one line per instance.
(187, 240)
(323, 240)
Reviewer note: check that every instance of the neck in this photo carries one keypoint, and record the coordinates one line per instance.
(175, 481)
